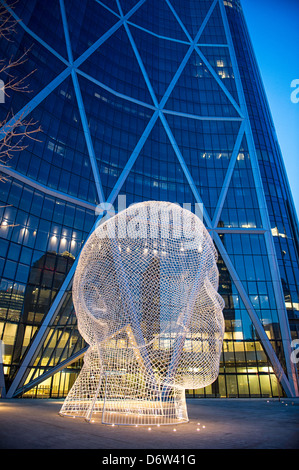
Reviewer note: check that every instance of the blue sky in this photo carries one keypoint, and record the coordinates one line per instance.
(274, 30)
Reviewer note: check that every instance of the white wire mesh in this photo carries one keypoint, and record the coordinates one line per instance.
(145, 295)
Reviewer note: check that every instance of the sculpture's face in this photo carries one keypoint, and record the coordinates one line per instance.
(150, 272)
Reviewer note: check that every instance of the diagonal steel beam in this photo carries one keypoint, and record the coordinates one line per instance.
(88, 139)
(32, 34)
(187, 56)
(86, 130)
(51, 371)
(29, 107)
(107, 8)
(185, 169)
(114, 92)
(123, 176)
(46, 190)
(219, 81)
(66, 32)
(140, 63)
(201, 118)
(157, 35)
(228, 175)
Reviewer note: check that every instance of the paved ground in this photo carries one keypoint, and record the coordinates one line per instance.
(224, 424)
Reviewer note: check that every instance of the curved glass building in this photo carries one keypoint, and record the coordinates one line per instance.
(143, 100)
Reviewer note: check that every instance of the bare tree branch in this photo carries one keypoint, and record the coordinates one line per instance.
(15, 131)
(15, 83)
(13, 141)
(7, 22)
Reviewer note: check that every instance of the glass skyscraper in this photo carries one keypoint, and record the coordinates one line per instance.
(143, 100)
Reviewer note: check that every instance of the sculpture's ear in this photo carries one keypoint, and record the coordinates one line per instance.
(93, 301)
(211, 292)
(92, 312)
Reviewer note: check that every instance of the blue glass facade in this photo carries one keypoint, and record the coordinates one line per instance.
(148, 100)
(282, 214)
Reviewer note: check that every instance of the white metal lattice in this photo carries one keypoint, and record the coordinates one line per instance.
(145, 295)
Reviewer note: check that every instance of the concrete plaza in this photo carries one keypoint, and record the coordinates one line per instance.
(214, 424)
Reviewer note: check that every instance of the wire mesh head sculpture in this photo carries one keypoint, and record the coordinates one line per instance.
(145, 295)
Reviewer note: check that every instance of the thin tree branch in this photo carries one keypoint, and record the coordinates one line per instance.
(17, 131)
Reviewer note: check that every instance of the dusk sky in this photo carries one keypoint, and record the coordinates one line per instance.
(274, 31)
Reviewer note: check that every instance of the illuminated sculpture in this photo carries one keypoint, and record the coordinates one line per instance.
(145, 295)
